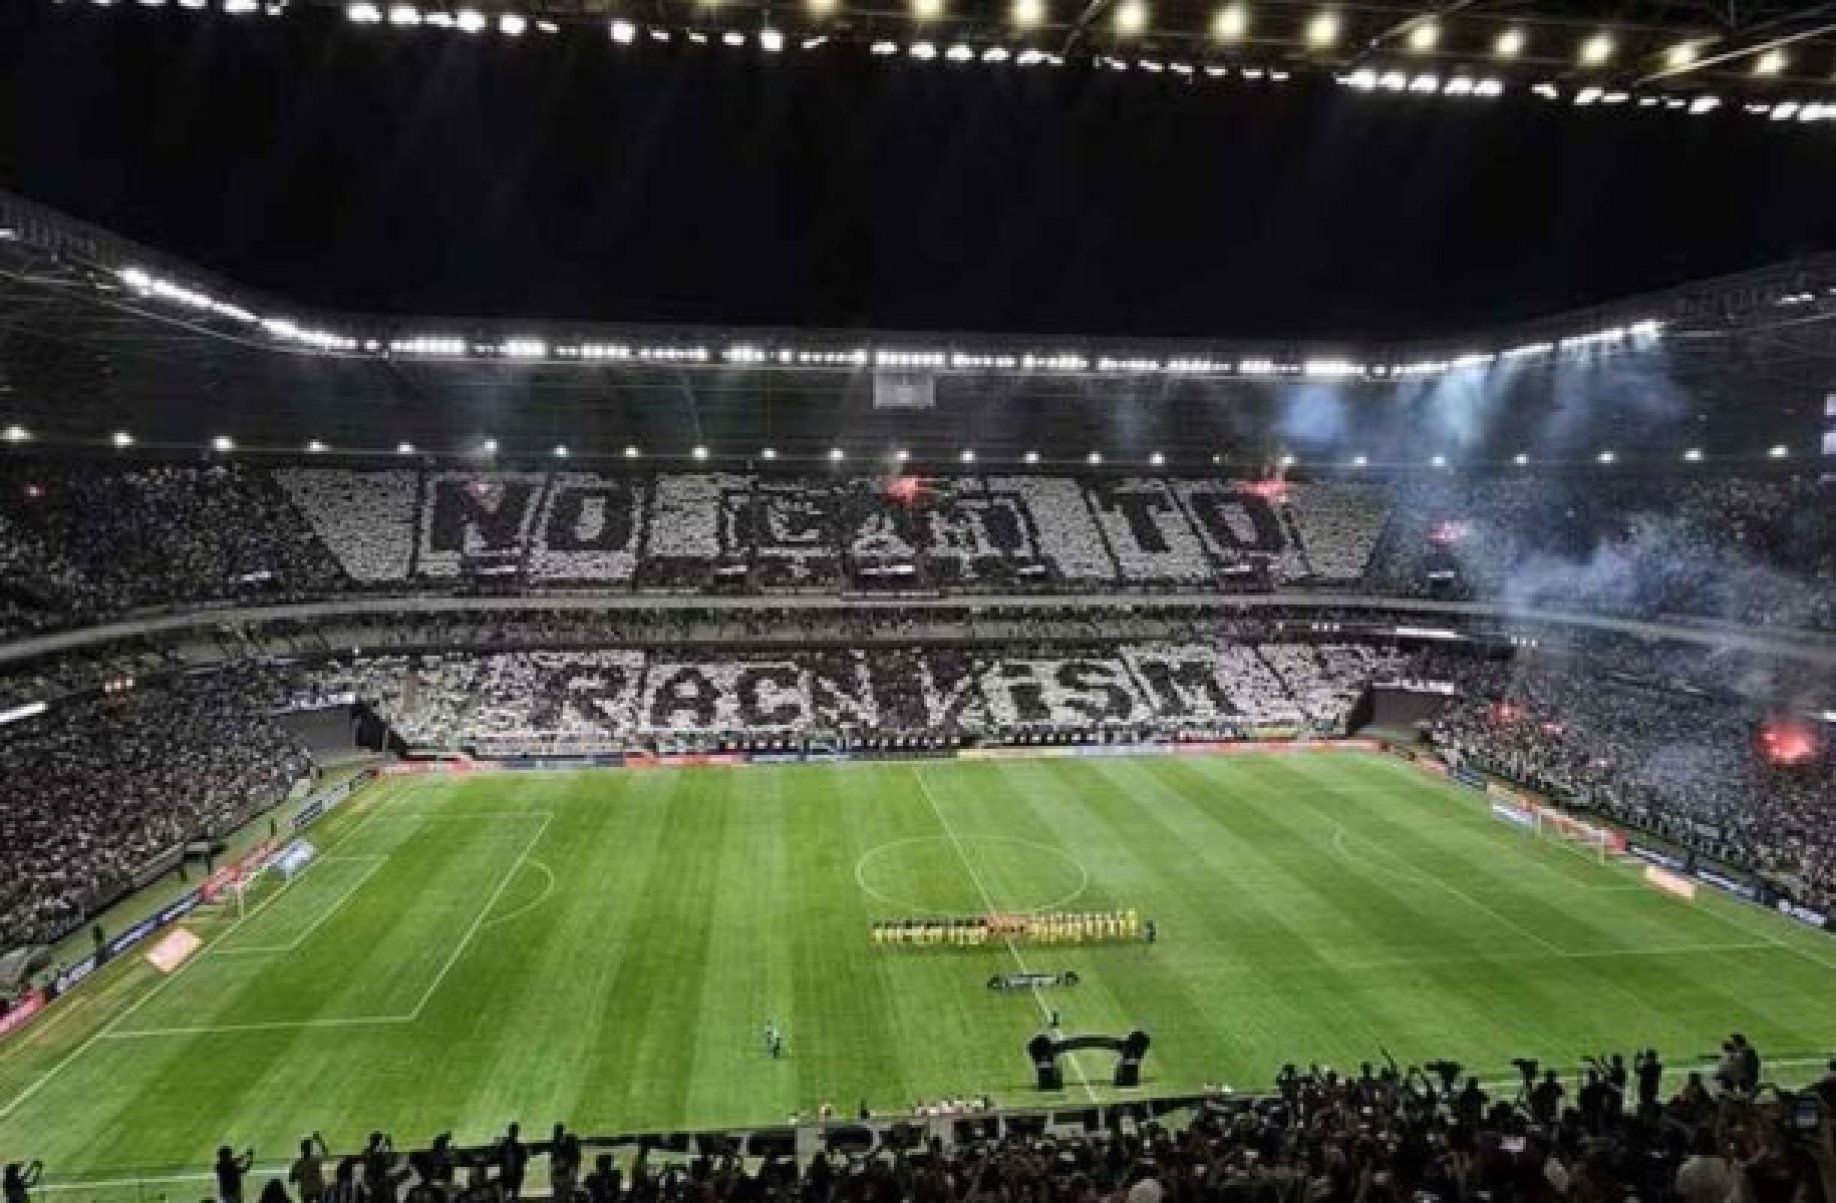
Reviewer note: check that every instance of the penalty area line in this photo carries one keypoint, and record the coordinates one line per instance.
(159, 987)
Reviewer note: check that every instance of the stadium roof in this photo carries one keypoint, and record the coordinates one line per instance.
(102, 337)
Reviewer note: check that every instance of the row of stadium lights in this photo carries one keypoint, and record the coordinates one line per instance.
(1131, 18)
(1230, 24)
(537, 350)
(223, 444)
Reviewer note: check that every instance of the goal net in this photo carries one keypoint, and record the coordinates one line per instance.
(1589, 839)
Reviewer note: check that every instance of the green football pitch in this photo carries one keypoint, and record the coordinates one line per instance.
(605, 948)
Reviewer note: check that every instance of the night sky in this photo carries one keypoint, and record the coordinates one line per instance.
(422, 172)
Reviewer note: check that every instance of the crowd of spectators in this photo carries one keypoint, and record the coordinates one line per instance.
(1673, 759)
(1009, 691)
(79, 543)
(100, 787)
(1388, 1134)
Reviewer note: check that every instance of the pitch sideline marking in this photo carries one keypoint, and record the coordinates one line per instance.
(114, 1024)
(988, 901)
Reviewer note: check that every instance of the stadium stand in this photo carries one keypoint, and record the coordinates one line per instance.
(1364, 1135)
(112, 782)
(83, 543)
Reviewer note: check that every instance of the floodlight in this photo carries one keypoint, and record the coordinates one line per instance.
(959, 53)
(1424, 37)
(1510, 43)
(821, 8)
(1323, 30)
(968, 456)
(733, 37)
(1605, 457)
(700, 452)
(1231, 23)
(631, 452)
(122, 439)
(1693, 455)
(1778, 451)
(469, 20)
(1682, 55)
(364, 13)
(1287, 461)
(489, 446)
(923, 51)
(1157, 459)
(223, 443)
(15, 434)
(1597, 50)
(1131, 16)
(768, 453)
(1032, 457)
(1770, 63)
(561, 451)
(512, 25)
(837, 455)
(1359, 461)
(771, 41)
(404, 449)
(901, 455)
(623, 32)
(1095, 457)
(315, 447)
(1520, 459)
(927, 10)
(404, 14)
(1439, 461)
(1029, 13)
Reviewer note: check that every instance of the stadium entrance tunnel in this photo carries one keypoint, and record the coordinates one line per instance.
(1045, 1050)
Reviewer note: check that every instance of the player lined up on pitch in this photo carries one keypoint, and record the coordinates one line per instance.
(1091, 927)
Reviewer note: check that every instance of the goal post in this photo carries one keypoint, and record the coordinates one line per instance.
(1535, 819)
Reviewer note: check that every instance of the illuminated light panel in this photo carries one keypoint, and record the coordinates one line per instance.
(1424, 37)
(1323, 30)
(1510, 43)
(1231, 23)
(1682, 55)
(1597, 50)
(927, 10)
(1131, 16)
(1771, 63)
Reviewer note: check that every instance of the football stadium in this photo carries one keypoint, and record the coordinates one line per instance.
(1114, 602)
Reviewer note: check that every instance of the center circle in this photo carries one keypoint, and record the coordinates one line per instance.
(927, 875)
